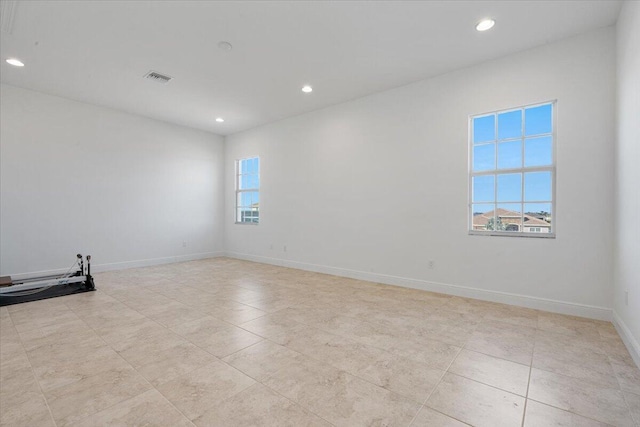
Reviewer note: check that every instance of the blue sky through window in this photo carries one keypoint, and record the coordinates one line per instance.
(484, 129)
(498, 144)
(510, 124)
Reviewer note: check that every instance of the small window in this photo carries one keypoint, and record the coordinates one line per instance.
(248, 191)
(512, 171)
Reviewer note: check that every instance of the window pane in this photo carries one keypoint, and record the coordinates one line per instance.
(244, 166)
(537, 216)
(484, 157)
(484, 188)
(250, 181)
(537, 120)
(255, 199)
(484, 129)
(509, 217)
(254, 165)
(537, 186)
(244, 182)
(538, 152)
(245, 199)
(510, 154)
(483, 214)
(510, 187)
(510, 124)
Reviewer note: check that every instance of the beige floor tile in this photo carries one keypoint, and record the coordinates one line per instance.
(339, 397)
(175, 314)
(540, 415)
(404, 376)
(68, 332)
(30, 411)
(83, 300)
(147, 409)
(113, 317)
(146, 349)
(262, 360)
(568, 325)
(475, 403)
(124, 336)
(309, 314)
(511, 342)
(515, 315)
(549, 340)
(13, 356)
(628, 377)
(237, 315)
(355, 353)
(580, 397)
(607, 330)
(197, 391)
(471, 306)
(500, 373)
(584, 364)
(38, 315)
(435, 354)
(57, 373)
(633, 402)
(427, 417)
(274, 304)
(272, 325)
(174, 362)
(229, 341)
(65, 350)
(258, 406)
(15, 381)
(73, 402)
(617, 350)
(200, 328)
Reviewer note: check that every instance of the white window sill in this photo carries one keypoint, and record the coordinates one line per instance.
(513, 234)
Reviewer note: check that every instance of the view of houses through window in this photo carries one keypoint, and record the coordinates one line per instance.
(512, 171)
(248, 190)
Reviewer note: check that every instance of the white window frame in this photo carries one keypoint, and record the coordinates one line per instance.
(495, 172)
(245, 190)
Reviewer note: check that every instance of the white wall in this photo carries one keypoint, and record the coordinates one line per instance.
(376, 187)
(123, 188)
(627, 179)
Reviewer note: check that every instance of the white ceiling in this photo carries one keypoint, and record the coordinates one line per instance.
(98, 51)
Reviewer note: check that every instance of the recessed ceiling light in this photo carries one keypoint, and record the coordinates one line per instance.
(15, 62)
(225, 46)
(307, 89)
(219, 120)
(485, 24)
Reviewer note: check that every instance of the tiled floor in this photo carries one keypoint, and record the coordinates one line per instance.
(224, 342)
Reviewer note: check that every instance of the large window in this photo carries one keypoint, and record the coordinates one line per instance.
(512, 172)
(248, 191)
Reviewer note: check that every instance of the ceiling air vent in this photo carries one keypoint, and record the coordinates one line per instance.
(157, 77)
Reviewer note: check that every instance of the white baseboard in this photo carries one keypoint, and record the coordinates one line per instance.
(629, 340)
(562, 307)
(96, 268)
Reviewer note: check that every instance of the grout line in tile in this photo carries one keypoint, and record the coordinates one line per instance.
(46, 402)
(132, 367)
(526, 399)
(482, 321)
(435, 388)
(269, 376)
(571, 412)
